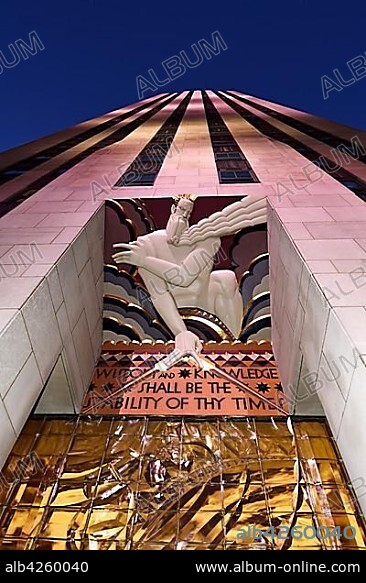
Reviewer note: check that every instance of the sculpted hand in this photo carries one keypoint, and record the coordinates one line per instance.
(174, 240)
(132, 253)
(187, 346)
(188, 342)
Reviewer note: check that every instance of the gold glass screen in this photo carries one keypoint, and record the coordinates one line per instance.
(174, 484)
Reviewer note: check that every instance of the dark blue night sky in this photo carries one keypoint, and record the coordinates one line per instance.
(95, 49)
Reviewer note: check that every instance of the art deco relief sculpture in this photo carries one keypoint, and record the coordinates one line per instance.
(176, 265)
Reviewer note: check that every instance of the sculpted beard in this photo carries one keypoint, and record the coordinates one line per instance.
(176, 226)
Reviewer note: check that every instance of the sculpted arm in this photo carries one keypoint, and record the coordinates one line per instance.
(182, 275)
(163, 302)
(165, 305)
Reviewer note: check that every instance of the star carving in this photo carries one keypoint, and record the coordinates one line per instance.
(109, 387)
(262, 388)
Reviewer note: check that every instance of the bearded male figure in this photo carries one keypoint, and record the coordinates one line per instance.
(176, 265)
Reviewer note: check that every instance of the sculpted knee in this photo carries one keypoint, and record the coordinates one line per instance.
(230, 283)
